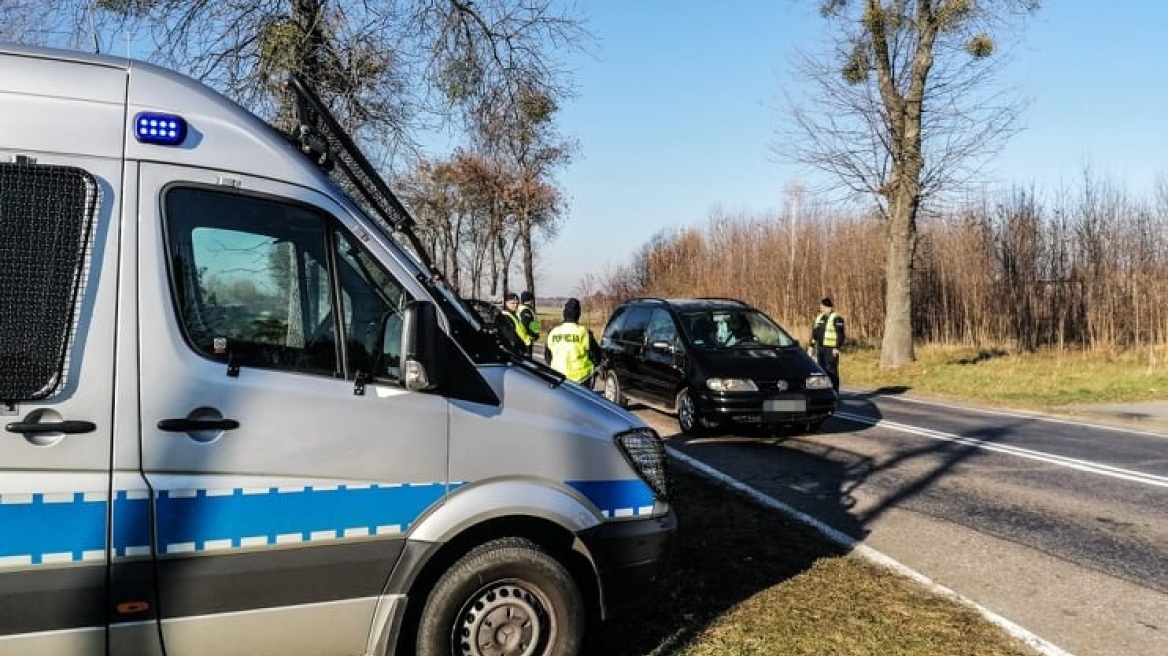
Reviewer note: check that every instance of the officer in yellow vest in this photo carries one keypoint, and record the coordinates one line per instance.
(571, 349)
(529, 317)
(827, 336)
(514, 328)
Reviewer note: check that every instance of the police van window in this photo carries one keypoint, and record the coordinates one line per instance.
(251, 280)
(370, 298)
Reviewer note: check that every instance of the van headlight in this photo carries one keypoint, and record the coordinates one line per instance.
(644, 451)
(731, 385)
(817, 382)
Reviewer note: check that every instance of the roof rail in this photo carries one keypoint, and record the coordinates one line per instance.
(319, 136)
(723, 298)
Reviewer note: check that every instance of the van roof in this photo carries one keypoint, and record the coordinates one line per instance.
(699, 303)
(80, 91)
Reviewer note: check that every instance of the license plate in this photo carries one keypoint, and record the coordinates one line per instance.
(785, 405)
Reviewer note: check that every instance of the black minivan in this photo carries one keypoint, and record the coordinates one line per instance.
(712, 361)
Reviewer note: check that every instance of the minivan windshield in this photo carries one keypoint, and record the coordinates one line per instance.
(733, 328)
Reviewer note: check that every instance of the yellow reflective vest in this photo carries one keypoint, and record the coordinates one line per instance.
(568, 343)
(830, 337)
(520, 329)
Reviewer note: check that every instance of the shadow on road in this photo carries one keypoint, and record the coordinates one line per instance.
(729, 550)
(726, 552)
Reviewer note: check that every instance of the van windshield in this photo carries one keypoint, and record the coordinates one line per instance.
(734, 328)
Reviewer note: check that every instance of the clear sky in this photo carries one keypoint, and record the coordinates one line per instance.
(679, 101)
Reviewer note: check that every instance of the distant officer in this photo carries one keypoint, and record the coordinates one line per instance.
(827, 336)
(512, 327)
(529, 317)
(571, 349)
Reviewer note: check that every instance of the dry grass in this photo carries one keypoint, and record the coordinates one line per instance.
(1046, 380)
(745, 580)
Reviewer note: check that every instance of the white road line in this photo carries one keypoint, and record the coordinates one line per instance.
(1018, 413)
(1039, 644)
(1049, 458)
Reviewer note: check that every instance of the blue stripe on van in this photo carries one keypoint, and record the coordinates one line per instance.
(71, 528)
(617, 498)
(62, 527)
(189, 520)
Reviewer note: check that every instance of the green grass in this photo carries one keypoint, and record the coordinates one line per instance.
(1047, 380)
(744, 580)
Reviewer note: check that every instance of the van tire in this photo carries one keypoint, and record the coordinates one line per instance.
(512, 597)
(612, 389)
(688, 419)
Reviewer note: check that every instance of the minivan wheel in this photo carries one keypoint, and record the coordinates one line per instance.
(505, 598)
(687, 413)
(612, 389)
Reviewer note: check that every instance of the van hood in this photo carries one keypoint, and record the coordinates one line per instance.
(561, 432)
(762, 363)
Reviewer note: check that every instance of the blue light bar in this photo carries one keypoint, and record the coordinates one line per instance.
(161, 129)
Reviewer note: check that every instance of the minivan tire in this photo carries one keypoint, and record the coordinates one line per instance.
(688, 419)
(506, 597)
(612, 389)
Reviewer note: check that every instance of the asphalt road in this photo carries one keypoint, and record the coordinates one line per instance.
(1058, 526)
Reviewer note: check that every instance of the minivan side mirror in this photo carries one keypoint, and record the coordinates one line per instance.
(662, 345)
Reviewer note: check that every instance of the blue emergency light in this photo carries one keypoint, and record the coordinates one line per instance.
(161, 129)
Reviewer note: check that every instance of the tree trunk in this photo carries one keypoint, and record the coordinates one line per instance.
(896, 349)
(523, 230)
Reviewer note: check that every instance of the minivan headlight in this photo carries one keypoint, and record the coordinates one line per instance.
(644, 451)
(731, 385)
(817, 382)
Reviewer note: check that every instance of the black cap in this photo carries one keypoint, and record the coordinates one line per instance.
(571, 310)
(510, 296)
(526, 297)
(826, 302)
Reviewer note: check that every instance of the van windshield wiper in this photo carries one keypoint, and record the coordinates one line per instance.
(553, 377)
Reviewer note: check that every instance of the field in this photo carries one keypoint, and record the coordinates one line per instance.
(1053, 381)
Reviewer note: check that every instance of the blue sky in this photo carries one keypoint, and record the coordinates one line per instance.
(678, 109)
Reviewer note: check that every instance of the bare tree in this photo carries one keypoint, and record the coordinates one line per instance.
(388, 69)
(902, 109)
(518, 130)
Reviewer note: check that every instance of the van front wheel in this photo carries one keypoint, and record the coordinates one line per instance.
(508, 598)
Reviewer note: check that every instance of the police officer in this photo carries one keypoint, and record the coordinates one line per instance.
(827, 336)
(512, 327)
(529, 317)
(571, 349)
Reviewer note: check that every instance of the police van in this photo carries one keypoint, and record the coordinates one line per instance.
(243, 415)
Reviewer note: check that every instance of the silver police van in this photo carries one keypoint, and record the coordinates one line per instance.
(243, 415)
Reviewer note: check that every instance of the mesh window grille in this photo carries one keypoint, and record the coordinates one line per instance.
(46, 217)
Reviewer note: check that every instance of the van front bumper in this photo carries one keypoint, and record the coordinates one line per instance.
(629, 555)
(750, 408)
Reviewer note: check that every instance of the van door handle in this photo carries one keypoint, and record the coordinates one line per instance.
(192, 425)
(38, 427)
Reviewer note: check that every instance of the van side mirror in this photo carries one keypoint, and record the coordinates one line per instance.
(418, 355)
(662, 345)
(419, 347)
